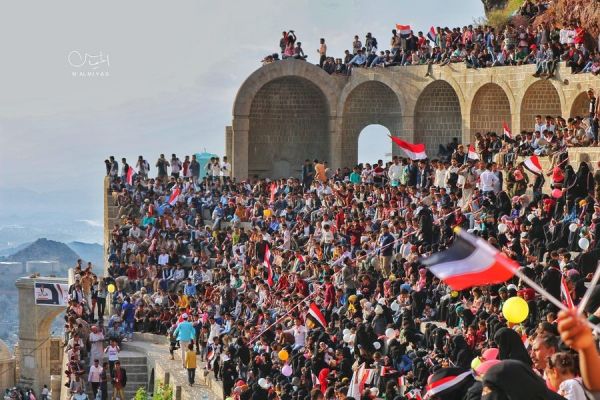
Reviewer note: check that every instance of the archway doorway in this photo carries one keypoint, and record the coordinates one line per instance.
(374, 144)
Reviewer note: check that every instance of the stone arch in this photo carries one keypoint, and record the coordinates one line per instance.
(288, 121)
(489, 109)
(580, 106)
(437, 116)
(540, 98)
(371, 102)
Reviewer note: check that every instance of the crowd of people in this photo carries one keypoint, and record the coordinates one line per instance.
(475, 46)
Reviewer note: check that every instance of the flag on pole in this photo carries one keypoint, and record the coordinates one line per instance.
(432, 35)
(361, 377)
(315, 314)
(300, 257)
(472, 155)
(506, 130)
(174, 195)
(565, 295)
(268, 264)
(470, 261)
(413, 151)
(533, 164)
(403, 30)
(130, 173)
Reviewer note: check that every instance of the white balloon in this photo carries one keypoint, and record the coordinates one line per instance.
(530, 217)
(347, 338)
(573, 227)
(584, 243)
(502, 228)
(390, 333)
(377, 345)
(395, 307)
(346, 331)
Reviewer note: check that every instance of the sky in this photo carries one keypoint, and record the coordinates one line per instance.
(169, 75)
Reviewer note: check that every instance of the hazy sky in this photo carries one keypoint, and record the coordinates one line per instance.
(174, 68)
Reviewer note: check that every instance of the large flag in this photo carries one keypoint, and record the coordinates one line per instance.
(361, 377)
(315, 314)
(130, 173)
(446, 382)
(174, 195)
(470, 261)
(267, 262)
(413, 151)
(432, 35)
(533, 164)
(506, 130)
(565, 295)
(403, 30)
(472, 155)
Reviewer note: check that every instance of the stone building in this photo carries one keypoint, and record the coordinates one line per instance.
(291, 110)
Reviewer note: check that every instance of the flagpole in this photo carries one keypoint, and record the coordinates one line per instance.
(588, 292)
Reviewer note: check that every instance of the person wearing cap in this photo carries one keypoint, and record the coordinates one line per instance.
(185, 334)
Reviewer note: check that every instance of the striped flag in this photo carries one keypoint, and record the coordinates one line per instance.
(361, 377)
(533, 164)
(267, 262)
(403, 30)
(432, 35)
(472, 154)
(414, 394)
(130, 173)
(446, 382)
(174, 195)
(315, 314)
(470, 261)
(565, 295)
(413, 151)
(506, 130)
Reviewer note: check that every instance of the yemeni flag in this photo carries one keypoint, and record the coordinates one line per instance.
(268, 264)
(403, 30)
(413, 151)
(361, 377)
(565, 295)
(174, 195)
(414, 394)
(130, 173)
(506, 130)
(472, 155)
(533, 164)
(315, 314)
(446, 382)
(470, 261)
(432, 35)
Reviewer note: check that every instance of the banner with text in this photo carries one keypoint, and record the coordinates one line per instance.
(51, 294)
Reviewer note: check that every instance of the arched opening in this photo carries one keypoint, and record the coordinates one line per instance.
(581, 106)
(289, 122)
(374, 144)
(489, 110)
(437, 117)
(370, 103)
(541, 98)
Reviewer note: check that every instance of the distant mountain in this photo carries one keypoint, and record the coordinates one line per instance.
(44, 249)
(93, 252)
(12, 250)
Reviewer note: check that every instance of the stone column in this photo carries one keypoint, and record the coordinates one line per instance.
(239, 151)
(336, 151)
(229, 142)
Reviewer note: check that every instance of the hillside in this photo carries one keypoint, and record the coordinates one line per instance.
(44, 249)
(93, 252)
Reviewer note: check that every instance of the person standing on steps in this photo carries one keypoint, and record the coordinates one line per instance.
(112, 351)
(119, 380)
(190, 363)
(103, 382)
(185, 333)
(94, 376)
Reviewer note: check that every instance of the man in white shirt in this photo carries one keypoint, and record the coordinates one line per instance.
(394, 171)
(488, 180)
(94, 376)
(299, 331)
(163, 258)
(225, 169)
(175, 166)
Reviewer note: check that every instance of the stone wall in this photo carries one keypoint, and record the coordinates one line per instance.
(291, 110)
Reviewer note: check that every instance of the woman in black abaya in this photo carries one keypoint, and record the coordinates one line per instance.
(511, 346)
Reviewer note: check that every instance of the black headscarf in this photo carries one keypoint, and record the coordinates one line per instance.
(511, 346)
(513, 380)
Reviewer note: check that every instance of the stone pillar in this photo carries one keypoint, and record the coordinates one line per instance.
(34, 334)
(336, 156)
(239, 151)
(228, 142)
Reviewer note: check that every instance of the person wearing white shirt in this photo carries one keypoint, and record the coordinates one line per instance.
(163, 258)
(488, 180)
(225, 168)
(94, 376)
(395, 171)
(299, 331)
(440, 175)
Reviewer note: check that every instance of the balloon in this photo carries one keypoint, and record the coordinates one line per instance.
(573, 227)
(475, 363)
(557, 193)
(347, 338)
(286, 370)
(395, 306)
(390, 333)
(584, 243)
(530, 217)
(283, 355)
(454, 294)
(502, 228)
(111, 288)
(515, 310)
(377, 345)
(490, 354)
(267, 213)
(346, 331)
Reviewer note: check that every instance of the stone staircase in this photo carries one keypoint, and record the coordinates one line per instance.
(137, 374)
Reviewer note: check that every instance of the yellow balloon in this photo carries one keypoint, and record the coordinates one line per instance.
(475, 363)
(515, 310)
(267, 213)
(111, 288)
(454, 294)
(283, 355)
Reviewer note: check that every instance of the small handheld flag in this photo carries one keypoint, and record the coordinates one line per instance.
(432, 35)
(315, 314)
(533, 164)
(506, 130)
(130, 173)
(267, 262)
(472, 155)
(174, 195)
(403, 30)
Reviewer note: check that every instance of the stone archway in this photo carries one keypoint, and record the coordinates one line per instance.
(371, 102)
(489, 110)
(437, 117)
(288, 122)
(541, 98)
(581, 106)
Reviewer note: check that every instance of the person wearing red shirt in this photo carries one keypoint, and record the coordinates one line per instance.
(301, 287)
(355, 232)
(329, 301)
